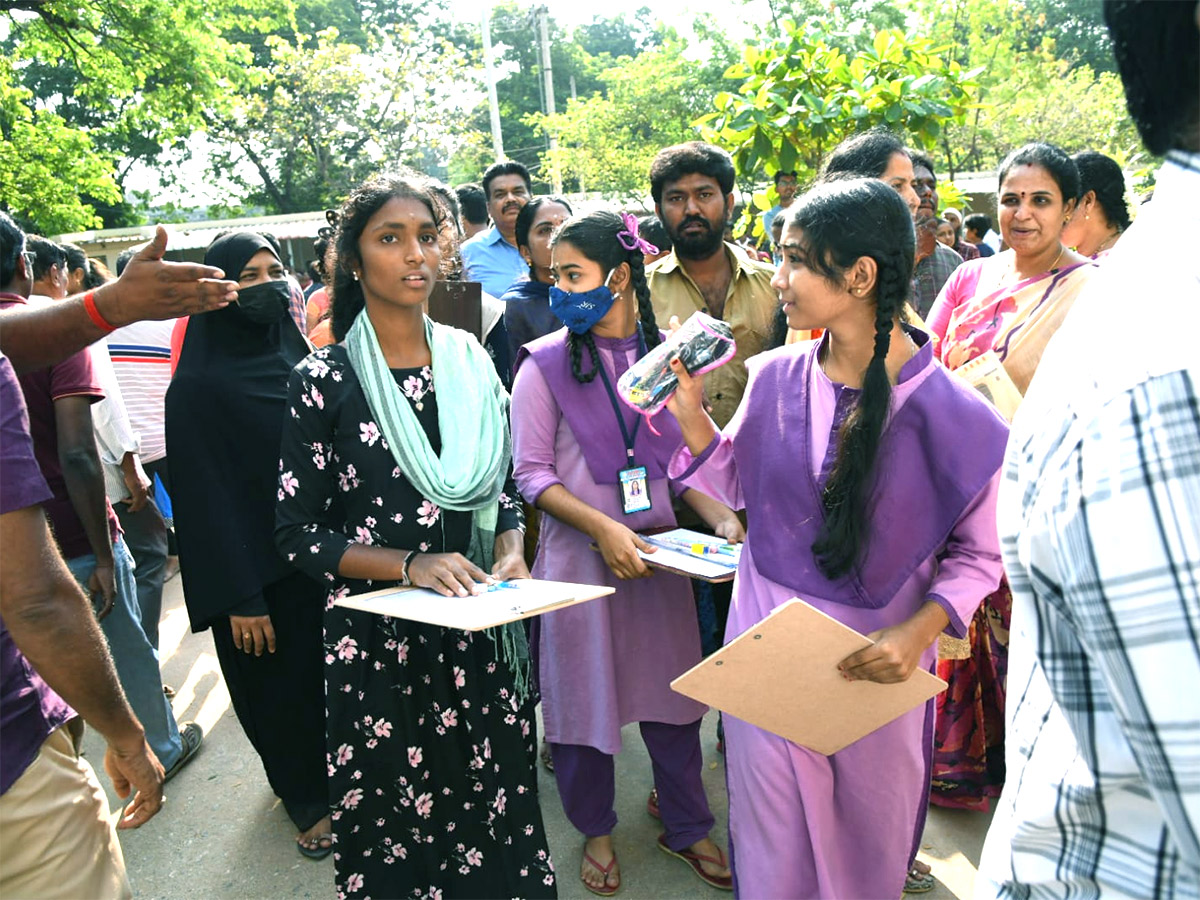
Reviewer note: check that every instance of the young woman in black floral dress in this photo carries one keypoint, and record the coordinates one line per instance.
(396, 469)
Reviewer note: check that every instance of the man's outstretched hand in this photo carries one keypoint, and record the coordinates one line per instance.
(152, 288)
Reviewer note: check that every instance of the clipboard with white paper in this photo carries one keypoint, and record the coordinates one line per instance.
(781, 675)
(675, 551)
(501, 603)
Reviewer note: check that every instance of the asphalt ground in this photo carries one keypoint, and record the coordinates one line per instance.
(223, 834)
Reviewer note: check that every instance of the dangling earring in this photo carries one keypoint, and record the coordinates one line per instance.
(355, 274)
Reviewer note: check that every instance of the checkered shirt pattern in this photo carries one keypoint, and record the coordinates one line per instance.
(1099, 518)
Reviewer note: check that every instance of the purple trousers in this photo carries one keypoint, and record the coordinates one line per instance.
(587, 784)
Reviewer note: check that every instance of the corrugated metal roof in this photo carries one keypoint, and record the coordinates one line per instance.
(193, 235)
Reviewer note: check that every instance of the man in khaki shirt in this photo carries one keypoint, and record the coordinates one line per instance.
(692, 186)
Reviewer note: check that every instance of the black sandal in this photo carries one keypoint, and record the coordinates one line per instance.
(319, 851)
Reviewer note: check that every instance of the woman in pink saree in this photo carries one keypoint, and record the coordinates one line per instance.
(991, 323)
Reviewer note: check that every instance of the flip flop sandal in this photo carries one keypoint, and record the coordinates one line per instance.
(694, 859)
(547, 757)
(652, 809)
(317, 852)
(917, 882)
(605, 891)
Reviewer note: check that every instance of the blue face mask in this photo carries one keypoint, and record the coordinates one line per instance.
(580, 311)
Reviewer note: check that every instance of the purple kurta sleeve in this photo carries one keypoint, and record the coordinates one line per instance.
(969, 568)
(535, 418)
(713, 472)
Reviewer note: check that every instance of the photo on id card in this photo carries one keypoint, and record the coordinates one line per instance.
(635, 490)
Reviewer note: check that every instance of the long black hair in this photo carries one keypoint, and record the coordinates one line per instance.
(595, 236)
(364, 201)
(450, 230)
(1103, 175)
(865, 155)
(1051, 158)
(840, 222)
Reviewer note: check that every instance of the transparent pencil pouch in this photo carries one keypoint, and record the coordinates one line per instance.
(702, 344)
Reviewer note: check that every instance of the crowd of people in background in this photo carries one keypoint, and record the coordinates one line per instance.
(919, 433)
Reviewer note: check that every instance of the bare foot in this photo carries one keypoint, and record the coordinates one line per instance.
(921, 867)
(319, 837)
(706, 847)
(601, 850)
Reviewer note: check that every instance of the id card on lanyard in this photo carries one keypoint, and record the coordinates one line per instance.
(633, 481)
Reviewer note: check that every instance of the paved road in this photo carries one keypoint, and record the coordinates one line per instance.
(223, 834)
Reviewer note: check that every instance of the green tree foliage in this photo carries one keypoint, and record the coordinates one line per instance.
(650, 101)
(126, 76)
(45, 165)
(582, 56)
(1048, 75)
(801, 94)
(321, 118)
(1077, 27)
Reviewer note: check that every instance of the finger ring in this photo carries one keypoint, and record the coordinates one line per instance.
(246, 635)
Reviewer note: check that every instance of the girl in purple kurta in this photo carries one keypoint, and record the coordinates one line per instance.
(869, 478)
(609, 662)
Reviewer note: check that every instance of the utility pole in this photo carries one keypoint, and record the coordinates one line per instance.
(548, 77)
(490, 74)
(582, 185)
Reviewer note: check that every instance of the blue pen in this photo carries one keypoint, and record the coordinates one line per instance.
(502, 585)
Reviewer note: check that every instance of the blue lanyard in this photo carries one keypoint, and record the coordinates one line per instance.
(629, 437)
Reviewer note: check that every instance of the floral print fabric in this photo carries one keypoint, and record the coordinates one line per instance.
(430, 754)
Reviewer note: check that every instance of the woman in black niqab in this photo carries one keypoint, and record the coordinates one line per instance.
(224, 418)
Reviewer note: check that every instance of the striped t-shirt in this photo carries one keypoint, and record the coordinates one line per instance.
(141, 356)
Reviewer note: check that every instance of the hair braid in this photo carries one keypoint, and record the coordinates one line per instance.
(575, 345)
(637, 275)
(845, 495)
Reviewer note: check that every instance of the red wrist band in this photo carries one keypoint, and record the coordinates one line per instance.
(89, 304)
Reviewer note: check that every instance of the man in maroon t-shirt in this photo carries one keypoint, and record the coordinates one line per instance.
(55, 828)
(59, 400)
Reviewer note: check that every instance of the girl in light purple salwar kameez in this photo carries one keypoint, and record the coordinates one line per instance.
(871, 495)
(609, 662)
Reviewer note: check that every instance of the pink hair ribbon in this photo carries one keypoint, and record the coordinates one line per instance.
(630, 238)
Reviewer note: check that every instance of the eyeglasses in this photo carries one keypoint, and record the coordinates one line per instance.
(29, 260)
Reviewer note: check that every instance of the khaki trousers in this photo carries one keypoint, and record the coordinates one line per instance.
(57, 839)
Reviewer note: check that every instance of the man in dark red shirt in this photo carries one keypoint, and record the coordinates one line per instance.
(57, 834)
(59, 399)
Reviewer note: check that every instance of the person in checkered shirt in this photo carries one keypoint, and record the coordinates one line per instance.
(1099, 518)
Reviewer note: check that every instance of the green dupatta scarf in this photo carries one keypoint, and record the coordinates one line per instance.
(469, 474)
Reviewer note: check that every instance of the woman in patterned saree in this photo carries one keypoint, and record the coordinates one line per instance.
(991, 323)
(395, 471)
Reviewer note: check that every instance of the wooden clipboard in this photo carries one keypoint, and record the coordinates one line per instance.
(679, 563)
(782, 676)
(515, 600)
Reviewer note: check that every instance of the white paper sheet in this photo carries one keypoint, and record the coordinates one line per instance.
(670, 551)
(505, 602)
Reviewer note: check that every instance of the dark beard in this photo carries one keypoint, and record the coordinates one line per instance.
(697, 246)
